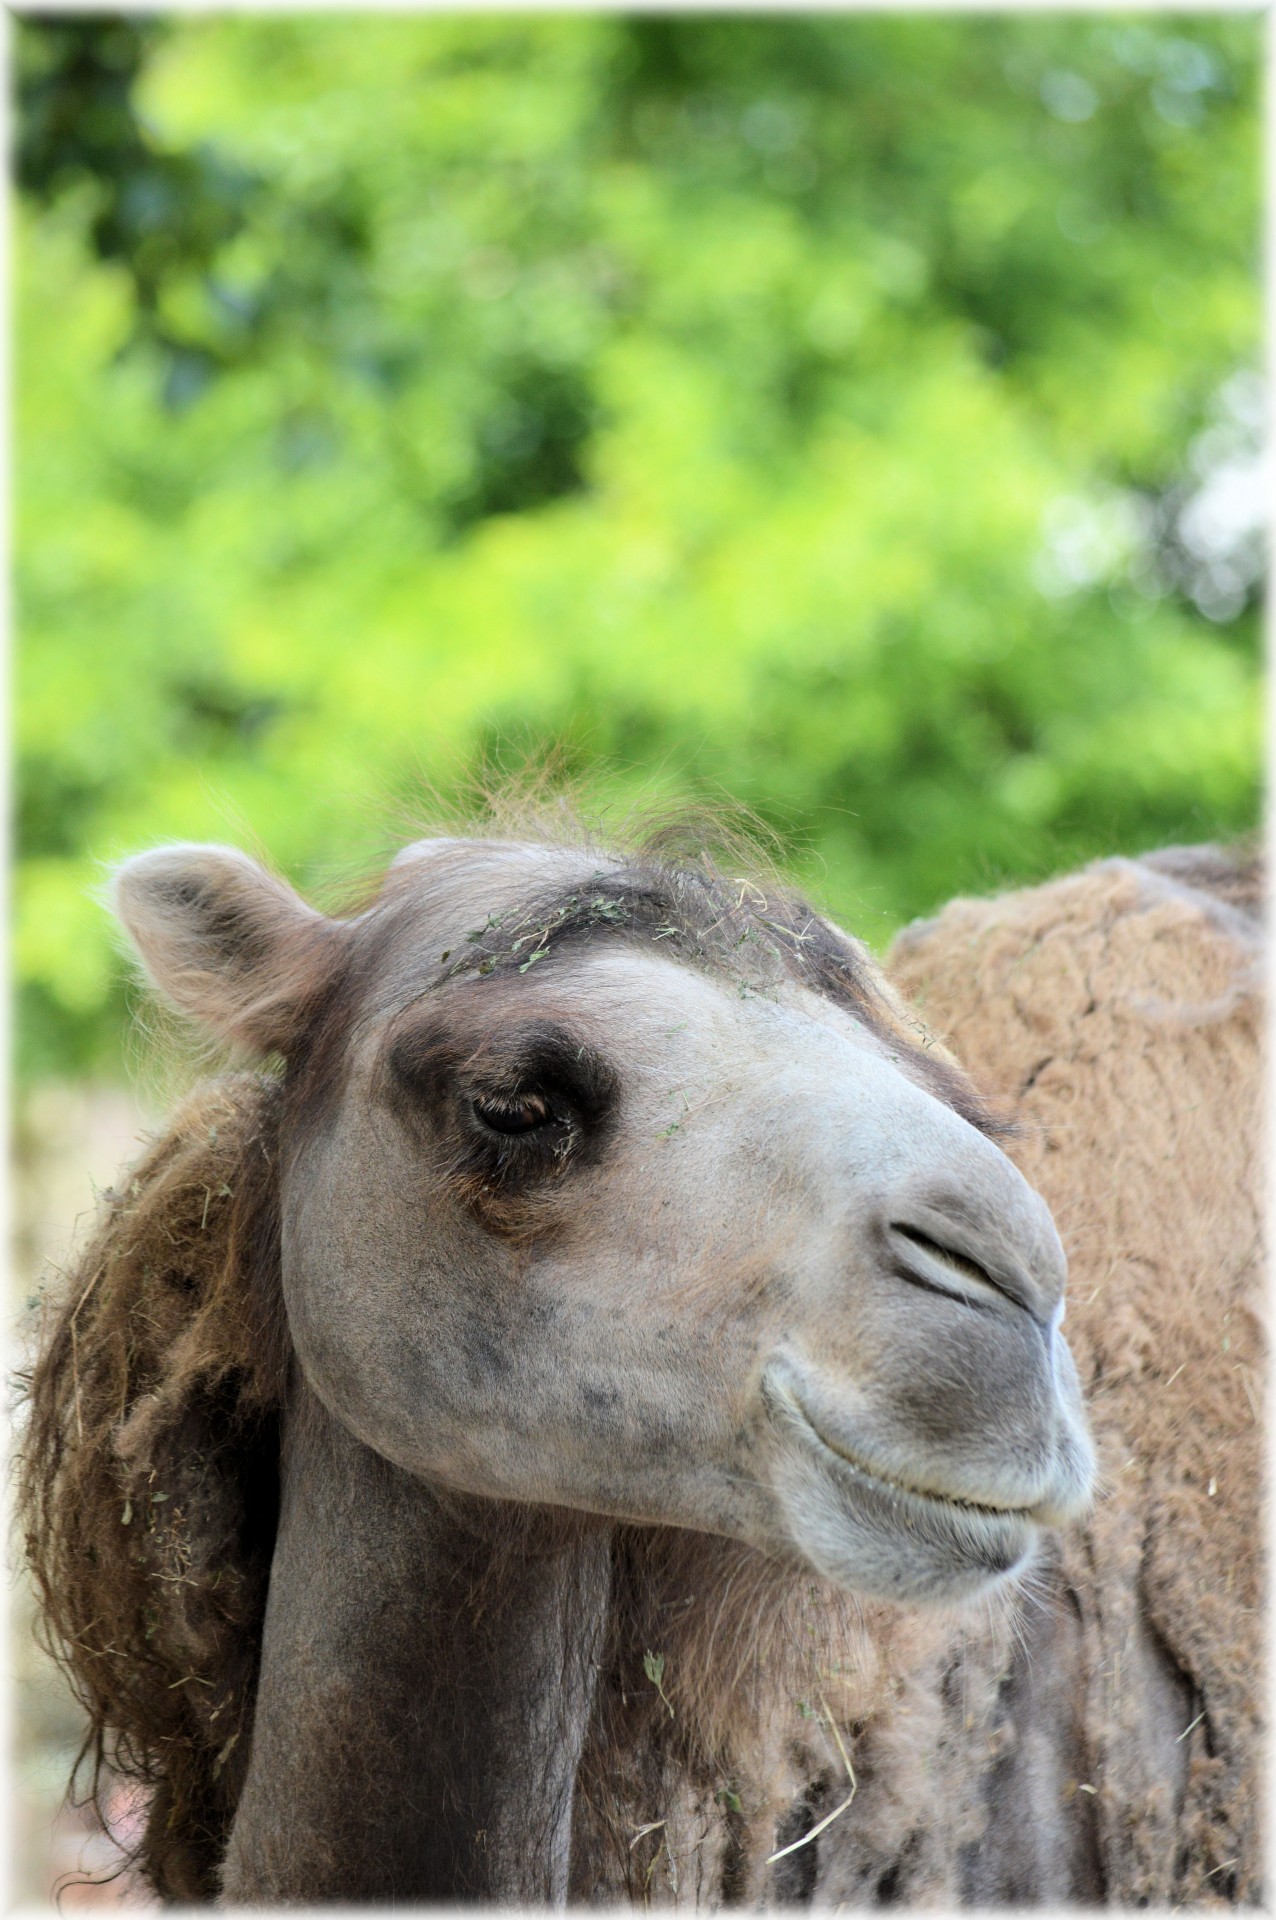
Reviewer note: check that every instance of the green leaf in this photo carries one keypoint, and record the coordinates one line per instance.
(653, 1665)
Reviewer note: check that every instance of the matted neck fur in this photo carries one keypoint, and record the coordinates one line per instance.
(621, 1187)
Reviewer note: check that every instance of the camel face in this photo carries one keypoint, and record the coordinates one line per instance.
(587, 1202)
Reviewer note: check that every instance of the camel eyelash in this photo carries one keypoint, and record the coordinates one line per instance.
(518, 1113)
(519, 1116)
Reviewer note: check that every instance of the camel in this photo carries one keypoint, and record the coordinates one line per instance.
(583, 1415)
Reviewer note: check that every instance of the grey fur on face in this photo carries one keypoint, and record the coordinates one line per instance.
(624, 1192)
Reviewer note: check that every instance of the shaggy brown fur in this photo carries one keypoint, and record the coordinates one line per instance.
(149, 1479)
(766, 1678)
(1118, 1010)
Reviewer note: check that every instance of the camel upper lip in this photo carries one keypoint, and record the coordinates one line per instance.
(927, 1498)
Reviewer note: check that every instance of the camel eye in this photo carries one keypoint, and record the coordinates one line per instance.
(524, 1114)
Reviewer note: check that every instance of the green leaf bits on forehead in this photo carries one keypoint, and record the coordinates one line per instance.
(726, 926)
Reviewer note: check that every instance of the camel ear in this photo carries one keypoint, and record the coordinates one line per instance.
(225, 942)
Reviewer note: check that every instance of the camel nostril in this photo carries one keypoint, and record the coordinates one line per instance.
(929, 1263)
(948, 1255)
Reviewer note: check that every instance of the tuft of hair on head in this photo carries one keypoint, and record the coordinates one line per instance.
(544, 801)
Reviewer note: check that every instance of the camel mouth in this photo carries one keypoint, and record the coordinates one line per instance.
(890, 1484)
(875, 1532)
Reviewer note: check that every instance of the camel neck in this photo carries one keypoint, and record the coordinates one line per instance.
(428, 1671)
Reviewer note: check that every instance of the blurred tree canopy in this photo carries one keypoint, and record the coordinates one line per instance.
(854, 413)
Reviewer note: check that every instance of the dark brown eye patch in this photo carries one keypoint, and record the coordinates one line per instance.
(519, 1099)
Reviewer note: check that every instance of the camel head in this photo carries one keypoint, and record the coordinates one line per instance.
(617, 1185)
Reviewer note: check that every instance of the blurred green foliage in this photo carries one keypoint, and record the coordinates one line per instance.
(820, 408)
